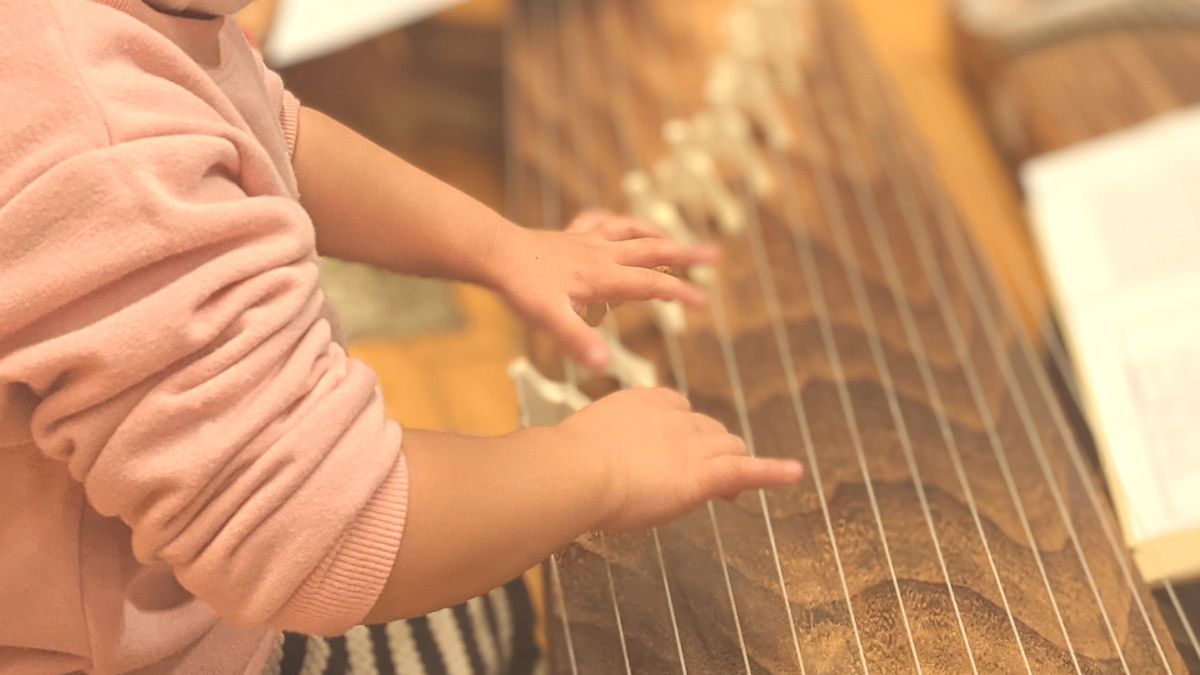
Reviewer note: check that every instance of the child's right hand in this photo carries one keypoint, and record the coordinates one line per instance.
(660, 459)
(628, 461)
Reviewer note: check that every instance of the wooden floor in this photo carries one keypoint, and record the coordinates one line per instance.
(454, 382)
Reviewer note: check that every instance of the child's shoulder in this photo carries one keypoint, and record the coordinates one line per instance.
(47, 108)
(76, 75)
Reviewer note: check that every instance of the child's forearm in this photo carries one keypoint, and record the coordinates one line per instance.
(370, 206)
(483, 510)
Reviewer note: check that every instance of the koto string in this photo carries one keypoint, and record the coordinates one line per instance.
(514, 184)
(590, 198)
(1187, 624)
(772, 302)
(680, 376)
(757, 245)
(817, 294)
(1030, 306)
(883, 250)
(672, 341)
(1057, 352)
(1037, 368)
(882, 247)
(555, 579)
(551, 218)
(1040, 453)
(1083, 118)
(941, 293)
(849, 261)
(789, 370)
(1061, 361)
(985, 317)
(869, 209)
(673, 350)
(571, 380)
(874, 219)
(1026, 296)
(1033, 437)
(721, 325)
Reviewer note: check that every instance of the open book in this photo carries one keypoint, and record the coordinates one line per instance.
(1117, 221)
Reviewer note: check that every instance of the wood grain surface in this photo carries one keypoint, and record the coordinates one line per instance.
(1089, 83)
(950, 518)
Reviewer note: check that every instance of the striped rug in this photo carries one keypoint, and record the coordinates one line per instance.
(488, 635)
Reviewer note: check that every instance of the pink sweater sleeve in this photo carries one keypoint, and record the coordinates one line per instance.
(162, 305)
(284, 101)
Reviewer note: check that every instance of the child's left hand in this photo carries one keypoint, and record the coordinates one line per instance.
(550, 277)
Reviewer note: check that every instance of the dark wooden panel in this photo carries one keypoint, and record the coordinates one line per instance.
(1087, 78)
(949, 515)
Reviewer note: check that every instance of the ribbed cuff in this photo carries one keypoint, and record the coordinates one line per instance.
(289, 119)
(341, 591)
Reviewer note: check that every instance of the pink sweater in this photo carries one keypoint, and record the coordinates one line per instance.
(188, 461)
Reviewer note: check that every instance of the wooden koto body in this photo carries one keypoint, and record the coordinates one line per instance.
(1105, 71)
(950, 519)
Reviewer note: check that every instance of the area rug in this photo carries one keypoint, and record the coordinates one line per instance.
(376, 304)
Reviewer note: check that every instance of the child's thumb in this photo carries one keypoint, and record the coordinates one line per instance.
(577, 338)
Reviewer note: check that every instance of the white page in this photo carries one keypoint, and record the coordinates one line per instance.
(306, 29)
(1118, 226)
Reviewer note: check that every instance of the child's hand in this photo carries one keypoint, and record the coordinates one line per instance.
(551, 277)
(662, 460)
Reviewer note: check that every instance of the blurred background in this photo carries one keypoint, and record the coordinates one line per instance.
(1026, 107)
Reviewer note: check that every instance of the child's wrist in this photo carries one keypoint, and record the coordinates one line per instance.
(570, 459)
(600, 481)
(498, 267)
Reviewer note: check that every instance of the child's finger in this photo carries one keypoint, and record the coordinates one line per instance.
(665, 252)
(669, 398)
(589, 221)
(624, 228)
(639, 283)
(731, 474)
(575, 336)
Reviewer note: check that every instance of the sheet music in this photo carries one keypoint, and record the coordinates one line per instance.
(1118, 225)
